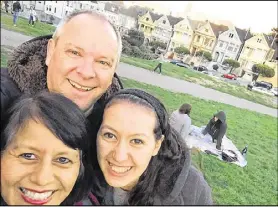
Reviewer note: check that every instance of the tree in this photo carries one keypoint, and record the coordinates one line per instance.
(182, 51)
(155, 44)
(263, 70)
(204, 54)
(135, 37)
(233, 64)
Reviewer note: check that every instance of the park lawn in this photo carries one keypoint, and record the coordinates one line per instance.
(202, 79)
(22, 26)
(256, 184)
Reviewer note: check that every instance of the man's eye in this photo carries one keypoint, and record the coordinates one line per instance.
(28, 156)
(109, 135)
(63, 160)
(74, 52)
(104, 63)
(137, 141)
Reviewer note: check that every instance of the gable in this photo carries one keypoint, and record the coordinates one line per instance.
(206, 29)
(146, 18)
(258, 41)
(162, 22)
(183, 25)
(230, 36)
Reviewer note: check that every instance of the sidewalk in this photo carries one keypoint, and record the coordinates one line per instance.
(124, 70)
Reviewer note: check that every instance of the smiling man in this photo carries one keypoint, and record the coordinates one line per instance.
(79, 60)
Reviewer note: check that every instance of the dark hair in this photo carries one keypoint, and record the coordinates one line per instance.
(161, 174)
(63, 118)
(185, 109)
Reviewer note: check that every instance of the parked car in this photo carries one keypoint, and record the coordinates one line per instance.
(200, 68)
(260, 84)
(274, 91)
(175, 61)
(230, 76)
(185, 65)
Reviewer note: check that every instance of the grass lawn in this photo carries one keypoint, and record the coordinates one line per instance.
(204, 80)
(4, 56)
(256, 184)
(23, 27)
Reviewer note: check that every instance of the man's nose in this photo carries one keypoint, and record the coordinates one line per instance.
(87, 69)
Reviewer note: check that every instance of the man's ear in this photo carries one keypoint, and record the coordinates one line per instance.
(50, 50)
(158, 145)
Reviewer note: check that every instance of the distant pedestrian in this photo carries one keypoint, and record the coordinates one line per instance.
(32, 17)
(6, 6)
(16, 10)
(159, 66)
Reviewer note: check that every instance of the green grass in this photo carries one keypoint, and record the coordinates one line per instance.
(4, 56)
(204, 80)
(256, 184)
(23, 27)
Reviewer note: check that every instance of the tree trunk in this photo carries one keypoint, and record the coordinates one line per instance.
(231, 70)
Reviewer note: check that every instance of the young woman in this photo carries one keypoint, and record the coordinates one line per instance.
(43, 152)
(143, 161)
(180, 120)
(217, 128)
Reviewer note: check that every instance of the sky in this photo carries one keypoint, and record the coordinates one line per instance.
(260, 16)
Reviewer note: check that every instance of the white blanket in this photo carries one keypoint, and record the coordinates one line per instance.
(194, 140)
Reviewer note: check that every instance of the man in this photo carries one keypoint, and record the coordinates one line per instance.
(159, 66)
(79, 61)
(16, 10)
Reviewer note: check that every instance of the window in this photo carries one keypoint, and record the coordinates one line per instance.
(221, 44)
(259, 40)
(44, 2)
(206, 30)
(80, 6)
(66, 12)
(56, 1)
(235, 49)
(231, 35)
(164, 21)
(55, 10)
(49, 8)
(198, 38)
(67, 3)
(230, 48)
(147, 19)
(39, 2)
(206, 42)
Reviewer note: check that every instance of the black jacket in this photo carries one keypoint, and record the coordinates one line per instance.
(16, 7)
(26, 74)
(190, 188)
(217, 129)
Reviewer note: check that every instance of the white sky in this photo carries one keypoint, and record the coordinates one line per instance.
(260, 16)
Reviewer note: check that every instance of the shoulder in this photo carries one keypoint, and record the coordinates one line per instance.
(9, 89)
(197, 188)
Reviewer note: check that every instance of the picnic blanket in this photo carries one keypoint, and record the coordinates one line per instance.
(205, 144)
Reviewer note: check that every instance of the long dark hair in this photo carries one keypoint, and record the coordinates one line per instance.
(64, 119)
(162, 172)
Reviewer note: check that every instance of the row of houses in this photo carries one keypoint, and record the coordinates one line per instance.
(223, 42)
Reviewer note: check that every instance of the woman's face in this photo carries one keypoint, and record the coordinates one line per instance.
(37, 168)
(126, 143)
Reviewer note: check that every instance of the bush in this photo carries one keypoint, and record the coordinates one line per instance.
(263, 70)
(126, 47)
(231, 63)
(135, 37)
(136, 52)
(156, 44)
(205, 54)
(182, 51)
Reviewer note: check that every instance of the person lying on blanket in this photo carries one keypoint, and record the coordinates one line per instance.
(217, 128)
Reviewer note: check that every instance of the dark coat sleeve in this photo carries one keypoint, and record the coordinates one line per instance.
(8, 90)
(220, 135)
(205, 131)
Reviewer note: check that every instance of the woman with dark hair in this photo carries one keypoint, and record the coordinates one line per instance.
(180, 120)
(217, 128)
(43, 152)
(143, 161)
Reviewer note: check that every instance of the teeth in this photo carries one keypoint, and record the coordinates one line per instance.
(119, 169)
(36, 196)
(79, 86)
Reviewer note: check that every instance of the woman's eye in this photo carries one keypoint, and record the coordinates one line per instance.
(109, 135)
(28, 156)
(63, 160)
(137, 141)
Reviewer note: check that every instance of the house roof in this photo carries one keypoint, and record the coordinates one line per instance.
(269, 39)
(174, 20)
(194, 23)
(218, 28)
(155, 16)
(243, 34)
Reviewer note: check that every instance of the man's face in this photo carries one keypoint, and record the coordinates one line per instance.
(81, 63)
